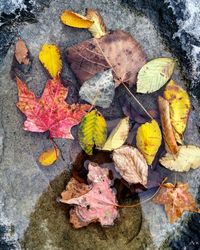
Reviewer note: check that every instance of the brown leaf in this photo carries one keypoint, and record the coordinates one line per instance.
(169, 137)
(116, 50)
(21, 52)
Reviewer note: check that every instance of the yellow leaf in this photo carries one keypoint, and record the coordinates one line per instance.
(179, 106)
(92, 131)
(98, 28)
(154, 74)
(48, 157)
(187, 157)
(148, 140)
(51, 59)
(118, 136)
(75, 20)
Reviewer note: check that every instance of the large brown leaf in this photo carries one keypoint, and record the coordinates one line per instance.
(116, 50)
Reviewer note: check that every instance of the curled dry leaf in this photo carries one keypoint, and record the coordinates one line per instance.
(48, 157)
(98, 28)
(169, 137)
(153, 75)
(148, 140)
(21, 52)
(131, 164)
(50, 112)
(51, 59)
(116, 50)
(92, 131)
(188, 157)
(99, 90)
(75, 20)
(118, 136)
(176, 199)
(180, 106)
(96, 203)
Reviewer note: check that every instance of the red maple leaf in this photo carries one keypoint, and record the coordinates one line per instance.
(50, 112)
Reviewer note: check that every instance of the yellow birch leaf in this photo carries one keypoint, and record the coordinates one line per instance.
(118, 136)
(148, 140)
(179, 106)
(98, 28)
(51, 59)
(48, 157)
(75, 20)
(187, 157)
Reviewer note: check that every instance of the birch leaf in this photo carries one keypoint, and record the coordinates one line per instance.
(48, 157)
(154, 74)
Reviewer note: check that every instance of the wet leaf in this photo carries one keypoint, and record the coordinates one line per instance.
(92, 131)
(153, 75)
(98, 28)
(188, 157)
(180, 106)
(176, 199)
(118, 135)
(98, 204)
(131, 164)
(50, 112)
(99, 90)
(75, 20)
(169, 137)
(48, 157)
(51, 59)
(148, 140)
(116, 50)
(21, 52)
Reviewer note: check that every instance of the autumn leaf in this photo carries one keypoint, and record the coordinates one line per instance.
(116, 50)
(92, 131)
(99, 90)
(169, 137)
(48, 157)
(51, 59)
(188, 157)
(118, 135)
(96, 202)
(154, 74)
(180, 106)
(75, 20)
(98, 28)
(50, 112)
(21, 52)
(148, 140)
(176, 199)
(131, 165)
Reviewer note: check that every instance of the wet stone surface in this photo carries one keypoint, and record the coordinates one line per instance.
(30, 217)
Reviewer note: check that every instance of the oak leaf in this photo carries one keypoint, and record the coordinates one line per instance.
(21, 52)
(131, 165)
(176, 199)
(116, 50)
(50, 112)
(48, 157)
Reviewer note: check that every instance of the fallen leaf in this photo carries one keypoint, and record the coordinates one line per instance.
(92, 131)
(98, 28)
(116, 50)
(50, 112)
(180, 106)
(131, 164)
(99, 90)
(21, 52)
(51, 59)
(148, 140)
(97, 204)
(169, 137)
(48, 157)
(75, 20)
(118, 136)
(188, 157)
(154, 74)
(176, 199)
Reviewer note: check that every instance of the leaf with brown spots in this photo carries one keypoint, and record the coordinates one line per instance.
(21, 52)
